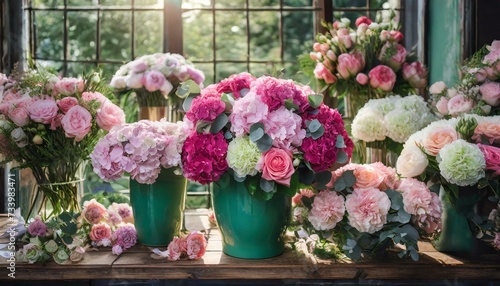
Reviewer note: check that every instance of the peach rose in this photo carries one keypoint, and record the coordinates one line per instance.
(100, 231)
(278, 166)
(367, 176)
(438, 138)
(489, 130)
(93, 212)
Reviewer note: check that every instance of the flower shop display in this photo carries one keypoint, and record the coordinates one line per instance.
(50, 125)
(479, 90)
(256, 139)
(459, 157)
(364, 210)
(155, 80)
(385, 124)
(365, 62)
(150, 152)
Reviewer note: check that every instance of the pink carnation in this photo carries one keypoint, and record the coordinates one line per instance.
(285, 128)
(273, 92)
(196, 245)
(176, 248)
(247, 111)
(204, 157)
(297, 198)
(328, 209)
(367, 209)
(125, 236)
(235, 84)
(416, 196)
(37, 227)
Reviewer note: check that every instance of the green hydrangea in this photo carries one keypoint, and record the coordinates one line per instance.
(461, 163)
(242, 156)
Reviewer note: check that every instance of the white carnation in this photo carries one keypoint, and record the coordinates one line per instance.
(368, 125)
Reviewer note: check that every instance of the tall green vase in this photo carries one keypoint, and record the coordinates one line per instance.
(251, 228)
(158, 208)
(456, 236)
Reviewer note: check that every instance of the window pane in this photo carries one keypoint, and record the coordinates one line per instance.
(155, 3)
(258, 69)
(349, 3)
(148, 32)
(298, 28)
(82, 35)
(230, 4)
(351, 15)
(54, 67)
(226, 69)
(81, 3)
(116, 2)
(187, 4)
(264, 36)
(115, 36)
(264, 3)
(298, 3)
(230, 33)
(197, 35)
(47, 3)
(49, 30)
(208, 70)
(78, 69)
(108, 70)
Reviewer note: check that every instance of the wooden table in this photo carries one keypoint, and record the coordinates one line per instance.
(137, 263)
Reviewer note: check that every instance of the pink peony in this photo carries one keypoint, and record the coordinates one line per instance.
(109, 115)
(490, 93)
(416, 196)
(77, 122)
(367, 209)
(196, 245)
(327, 210)
(492, 157)
(350, 64)
(235, 84)
(19, 116)
(155, 80)
(94, 212)
(321, 72)
(416, 74)
(489, 130)
(277, 165)
(99, 97)
(100, 231)
(396, 60)
(125, 236)
(430, 222)
(176, 248)
(273, 91)
(285, 128)
(43, 110)
(204, 157)
(37, 227)
(460, 104)
(382, 77)
(246, 112)
(66, 103)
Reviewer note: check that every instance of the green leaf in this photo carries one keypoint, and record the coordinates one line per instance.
(186, 104)
(290, 105)
(237, 178)
(349, 178)
(339, 184)
(201, 126)
(257, 134)
(323, 177)
(186, 88)
(256, 126)
(306, 175)
(340, 142)
(69, 228)
(315, 100)
(403, 216)
(313, 125)
(414, 255)
(396, 199)
(292, 190)
(267, 186)
(318, 133)
(265, 143)
(67, 239)
(342, 157)
(65, 217)
(410, 231)
(219, 123)
(244, 91)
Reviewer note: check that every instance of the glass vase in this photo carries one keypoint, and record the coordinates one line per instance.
(154, 106)
(59, 187)
(378, 151)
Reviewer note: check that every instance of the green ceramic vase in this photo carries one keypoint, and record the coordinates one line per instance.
(158, 208)
(456, 236)
(251, 228)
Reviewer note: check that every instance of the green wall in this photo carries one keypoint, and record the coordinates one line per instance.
(444, 41)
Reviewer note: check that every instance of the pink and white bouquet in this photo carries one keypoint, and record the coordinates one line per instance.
(365, 209)
(365, 61)
(51, 124)
(140, 149)
(479, 90)
(155, 78)
(265, 131)
(393, 117)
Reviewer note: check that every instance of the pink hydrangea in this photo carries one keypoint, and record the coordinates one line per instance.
(416, 196)
(235, 84)
(37, 227)
(367, 209)
(328, 209)
(204, 157)
(273, 91)
(205, 107)
(285, 128)
(125, 236)
(301, 98)
(247, 111)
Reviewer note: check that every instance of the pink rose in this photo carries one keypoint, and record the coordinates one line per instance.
(368, 176)
(196, 245)
(362, 78)
(278, 166)
(382, 77)
(416, 74)
(66, 103)
(327, 210)
(93, 212)
(19, 116)
(77, 122)
(363, 20)
(438, 138)
(321, 72)
(118, 82)
(492, 157)
(396, 35)
(109, 115)
(367, 209)
(43, 110)
(460, 104)
(99, 97)
(176, 248)
(442, 105)
(350, 64)
(100, 231)
(490, 93)
(488, 129)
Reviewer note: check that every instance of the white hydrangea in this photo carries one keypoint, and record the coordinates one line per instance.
(368, 125)
(400, 125)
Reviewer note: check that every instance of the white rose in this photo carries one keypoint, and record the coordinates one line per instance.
(118, 82)
(412, 162)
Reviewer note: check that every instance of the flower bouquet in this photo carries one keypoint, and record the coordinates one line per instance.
(479, 90)
(51, 124)
(256, 139)
(384, 124)
(460, 158)
(155, 79)
(364, 210)
(364, 62)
